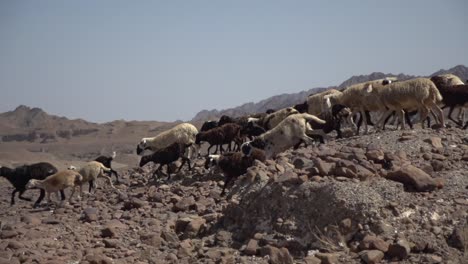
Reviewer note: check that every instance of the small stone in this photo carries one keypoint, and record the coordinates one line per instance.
(277, 255)
(436, 142)
(312, 260)
(90, 214)
(5, 234)
(152, 239)
(328, 258)
(111, 243)
(373, 242)
(459, 238)
(30, 220)
(371, 256)
(108, 232)
(251, 248)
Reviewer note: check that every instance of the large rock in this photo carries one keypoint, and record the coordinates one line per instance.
(415, 178)
(325, 200)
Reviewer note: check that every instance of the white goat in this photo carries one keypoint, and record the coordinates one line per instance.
(292, 130)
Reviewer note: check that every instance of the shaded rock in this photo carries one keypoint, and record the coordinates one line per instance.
(184, 204)
(371, 256)
(288, 177)
(323, 167)
(111, 243)
(373, 242)
(108, 232)
(194, 227)
(416, 178)
(459, 238)
(312, 260)
(31, 220)
(223, 238)
(399, 250)
(436, 142)
(328, 258)
(134, 203)
(437, 165)
(277, 255)
(185, 249)
(98, 259)
(251, 248)
(375, 155)
(5, 234)
(90, 214)
(152, 239)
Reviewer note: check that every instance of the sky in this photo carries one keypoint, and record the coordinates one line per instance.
(167, 60)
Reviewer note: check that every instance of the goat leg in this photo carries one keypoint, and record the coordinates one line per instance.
(451, 118)
(21, 192)
(39, 200)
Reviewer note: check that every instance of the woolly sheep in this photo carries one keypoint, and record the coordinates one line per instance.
(21, 175)
(184, 133)
(315, 102)
(358, 98)
(90, 172)
(286, 134)
(57, 182)
(418, 93)
(272, 120)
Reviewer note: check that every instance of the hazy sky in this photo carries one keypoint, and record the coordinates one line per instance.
(167, 60)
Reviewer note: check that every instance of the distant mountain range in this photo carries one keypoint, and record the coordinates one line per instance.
(35, 125)
(285, 100)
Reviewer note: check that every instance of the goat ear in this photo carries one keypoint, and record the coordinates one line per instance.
(369, 88)
(327, 102)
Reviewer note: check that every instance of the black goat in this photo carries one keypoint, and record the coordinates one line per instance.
(209, 125)
(21, 175)
(302, 108)
(166, 156)
(107, 162)
(252, 130)
(218, 136)
(234, 164)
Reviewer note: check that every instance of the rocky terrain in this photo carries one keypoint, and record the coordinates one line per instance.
(390, 197)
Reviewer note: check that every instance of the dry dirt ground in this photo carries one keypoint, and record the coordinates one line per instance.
(390, 197)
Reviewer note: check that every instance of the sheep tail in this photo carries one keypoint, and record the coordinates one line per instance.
(312, 118)
(437, 94)
(78, 178)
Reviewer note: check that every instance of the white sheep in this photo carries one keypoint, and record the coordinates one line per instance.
(291, 131)
(90, 172)
(316, 104)
(184, 133)
(359, 98)
(418, 93)
(272, 120)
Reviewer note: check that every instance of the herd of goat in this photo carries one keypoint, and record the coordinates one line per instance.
(262, 136)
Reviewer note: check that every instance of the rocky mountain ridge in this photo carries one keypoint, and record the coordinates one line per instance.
(284, 100)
